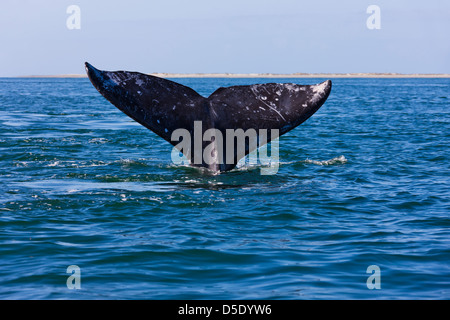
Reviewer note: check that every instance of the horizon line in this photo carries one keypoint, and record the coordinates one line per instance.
(265, 75)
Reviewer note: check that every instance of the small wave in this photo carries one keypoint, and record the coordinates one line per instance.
(88, 164)
(98, 140)
(133, 162)
(76, 164)
(338, 160)
(54, 164)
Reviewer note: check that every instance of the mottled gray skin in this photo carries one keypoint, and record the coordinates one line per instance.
(163, 106)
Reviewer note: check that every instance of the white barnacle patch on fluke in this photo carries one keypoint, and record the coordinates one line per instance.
(263, 98)
(121, 79)
(319, 91)
(320, 88)
(291, 87)
(139, 82)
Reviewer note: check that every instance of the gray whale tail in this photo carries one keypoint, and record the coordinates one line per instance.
(163, 106)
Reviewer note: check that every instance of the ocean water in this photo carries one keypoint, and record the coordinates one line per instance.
(365, 181)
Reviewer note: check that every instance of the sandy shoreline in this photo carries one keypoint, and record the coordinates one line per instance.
(266, 75)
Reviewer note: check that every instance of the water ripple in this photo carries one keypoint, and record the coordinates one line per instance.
(363, 182)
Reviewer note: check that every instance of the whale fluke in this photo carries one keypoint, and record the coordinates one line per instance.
(164, 106)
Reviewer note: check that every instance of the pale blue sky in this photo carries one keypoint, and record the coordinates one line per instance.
(236, 36)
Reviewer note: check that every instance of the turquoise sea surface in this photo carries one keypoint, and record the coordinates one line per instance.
(364, 182)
